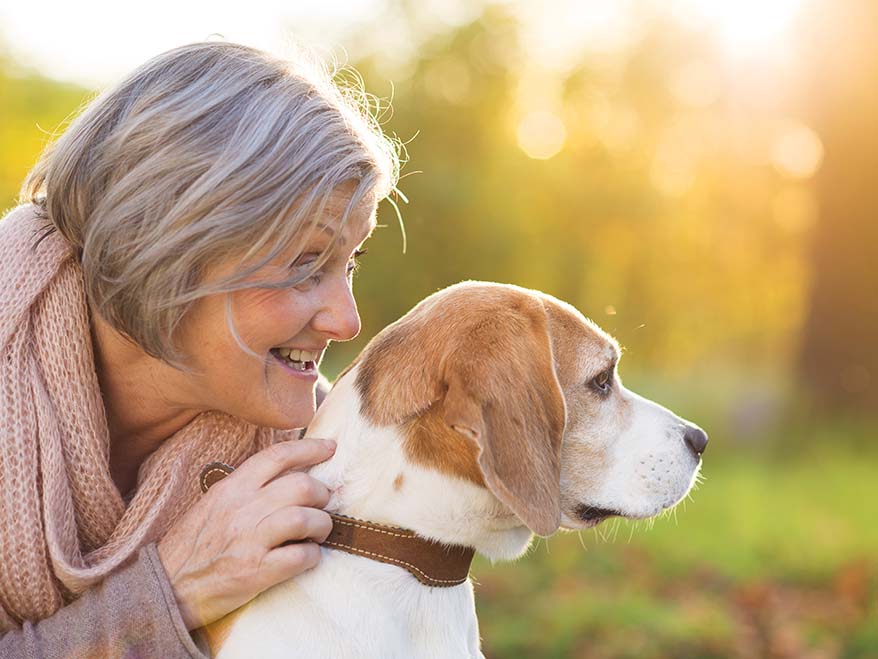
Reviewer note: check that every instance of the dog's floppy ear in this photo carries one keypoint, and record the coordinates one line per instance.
(503, 393)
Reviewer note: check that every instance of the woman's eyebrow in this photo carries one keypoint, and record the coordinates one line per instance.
(373, 223)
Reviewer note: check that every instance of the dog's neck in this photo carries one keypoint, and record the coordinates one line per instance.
(371, 478)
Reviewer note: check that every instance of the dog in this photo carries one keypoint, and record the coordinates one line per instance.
(485, 415)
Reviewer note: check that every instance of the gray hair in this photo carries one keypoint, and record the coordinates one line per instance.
(207, 150)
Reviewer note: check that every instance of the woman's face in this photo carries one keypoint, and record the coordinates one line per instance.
(306, 317)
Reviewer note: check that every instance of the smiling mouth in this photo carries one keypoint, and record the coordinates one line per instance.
(592, 515)
(304, 366)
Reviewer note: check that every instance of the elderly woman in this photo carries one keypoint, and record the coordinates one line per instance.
(181, 259)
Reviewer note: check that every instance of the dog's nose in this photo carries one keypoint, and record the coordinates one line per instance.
(696, 438)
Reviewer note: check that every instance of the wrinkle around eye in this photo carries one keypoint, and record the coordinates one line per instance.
(298, 263)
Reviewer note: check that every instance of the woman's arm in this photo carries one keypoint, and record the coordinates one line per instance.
(131, 613)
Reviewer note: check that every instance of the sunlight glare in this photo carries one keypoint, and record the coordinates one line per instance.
(748, 27)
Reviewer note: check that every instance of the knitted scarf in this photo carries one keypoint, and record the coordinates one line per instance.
(63, 523)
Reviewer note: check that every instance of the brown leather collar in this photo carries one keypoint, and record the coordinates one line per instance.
(431, 563)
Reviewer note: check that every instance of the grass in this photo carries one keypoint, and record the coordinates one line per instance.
(774, 555)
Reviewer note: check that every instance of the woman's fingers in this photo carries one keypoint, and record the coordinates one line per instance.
(296, 488)
(293, 523)
(285, 562)
(229, 545)
(278, 458)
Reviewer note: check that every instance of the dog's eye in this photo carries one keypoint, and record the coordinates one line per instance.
(603, 382)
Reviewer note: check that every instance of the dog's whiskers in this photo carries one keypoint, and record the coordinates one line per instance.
(633, 527)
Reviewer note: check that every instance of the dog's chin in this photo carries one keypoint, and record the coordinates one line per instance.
(506, 545)
(585, 516)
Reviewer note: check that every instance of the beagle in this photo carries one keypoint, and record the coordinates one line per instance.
(487, 414)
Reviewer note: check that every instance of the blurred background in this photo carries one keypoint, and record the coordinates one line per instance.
(700, 177)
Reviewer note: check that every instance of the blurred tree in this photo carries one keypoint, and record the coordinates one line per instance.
(635, 183)
(654, 217)
(32, 108)
(839, 353)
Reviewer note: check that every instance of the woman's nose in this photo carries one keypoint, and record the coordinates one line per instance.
(338, 317)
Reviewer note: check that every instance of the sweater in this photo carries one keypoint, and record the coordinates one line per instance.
(131, 613)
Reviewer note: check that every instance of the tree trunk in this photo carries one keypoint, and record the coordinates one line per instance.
(839, 354)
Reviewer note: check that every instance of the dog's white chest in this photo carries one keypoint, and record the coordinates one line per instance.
(354, 608)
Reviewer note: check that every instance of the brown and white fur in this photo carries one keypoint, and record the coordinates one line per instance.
(472, 420)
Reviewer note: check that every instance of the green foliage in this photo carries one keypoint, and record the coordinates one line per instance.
(679, 278)
(33, 109)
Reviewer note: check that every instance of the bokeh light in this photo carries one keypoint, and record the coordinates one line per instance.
(797, 150)
(541, 134)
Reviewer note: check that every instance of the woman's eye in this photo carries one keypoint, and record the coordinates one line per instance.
(303, 263)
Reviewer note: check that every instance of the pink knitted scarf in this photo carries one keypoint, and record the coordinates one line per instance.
(63, 522)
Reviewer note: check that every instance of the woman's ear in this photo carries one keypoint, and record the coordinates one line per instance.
(503, 394)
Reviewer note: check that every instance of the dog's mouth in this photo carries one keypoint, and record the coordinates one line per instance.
(592, 515)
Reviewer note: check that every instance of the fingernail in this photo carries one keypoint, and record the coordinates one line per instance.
(330, 443)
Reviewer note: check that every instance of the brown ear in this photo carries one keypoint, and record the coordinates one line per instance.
(503, 393)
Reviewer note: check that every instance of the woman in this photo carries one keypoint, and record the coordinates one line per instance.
(182, 257)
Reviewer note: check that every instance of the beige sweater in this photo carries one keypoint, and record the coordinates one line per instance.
(131, 613)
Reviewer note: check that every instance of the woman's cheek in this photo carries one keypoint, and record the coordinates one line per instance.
(282, 314)
(270, 317)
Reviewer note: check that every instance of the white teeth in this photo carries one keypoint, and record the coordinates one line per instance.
(296, 356)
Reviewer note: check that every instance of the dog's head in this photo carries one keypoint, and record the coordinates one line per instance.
(516, 391)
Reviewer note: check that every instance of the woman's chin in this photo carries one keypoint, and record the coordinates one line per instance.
(283, 416)
(298, 420)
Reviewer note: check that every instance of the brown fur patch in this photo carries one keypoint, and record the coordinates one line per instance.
(431, 443)
(400, 370)
(390, 390)
(397, 482)
(468, 376)
(348, 368)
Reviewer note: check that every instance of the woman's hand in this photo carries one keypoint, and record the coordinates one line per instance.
(226, 549)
